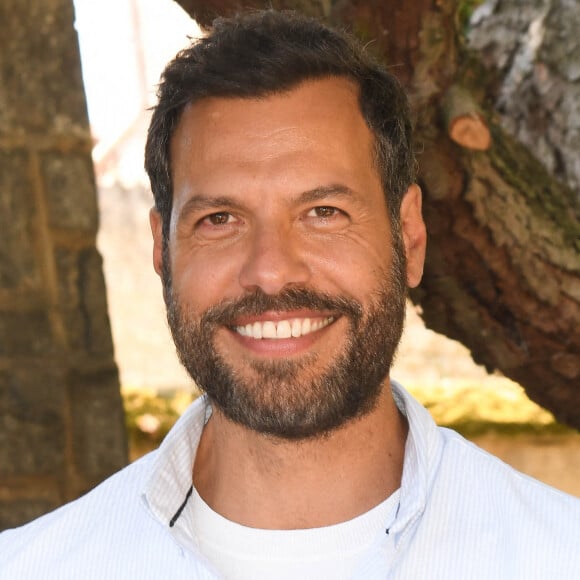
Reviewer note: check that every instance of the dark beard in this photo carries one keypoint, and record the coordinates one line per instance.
(284, 400)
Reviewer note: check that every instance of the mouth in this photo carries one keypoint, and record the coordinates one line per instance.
(283, 329)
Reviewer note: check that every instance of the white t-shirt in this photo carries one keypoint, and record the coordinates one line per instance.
(242, 553)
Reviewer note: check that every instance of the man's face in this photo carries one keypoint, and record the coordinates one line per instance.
(286, 290)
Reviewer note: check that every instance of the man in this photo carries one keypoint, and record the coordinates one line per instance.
(286, 227)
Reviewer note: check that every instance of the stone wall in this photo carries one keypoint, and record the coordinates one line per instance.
(61, 420)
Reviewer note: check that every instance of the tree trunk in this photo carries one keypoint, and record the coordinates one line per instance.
(503, 267)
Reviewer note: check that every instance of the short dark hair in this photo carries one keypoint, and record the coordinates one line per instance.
(266, 52)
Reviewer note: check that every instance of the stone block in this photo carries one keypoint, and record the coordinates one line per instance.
(56, 425)
(70, 191)
(26, 333)
(99, 433)
(17, 259)
(40, 72)
(83, 300)
(32, 421)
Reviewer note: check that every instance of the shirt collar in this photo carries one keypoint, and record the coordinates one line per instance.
(170, 479)
(169, 483)
(423, 452)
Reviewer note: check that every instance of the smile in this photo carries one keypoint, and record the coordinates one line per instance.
(293, 328)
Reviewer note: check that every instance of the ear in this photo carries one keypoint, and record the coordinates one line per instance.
(414, 234)
(157, 231)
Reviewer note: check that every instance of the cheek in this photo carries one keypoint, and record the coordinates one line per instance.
(354, 267)
(203, 280)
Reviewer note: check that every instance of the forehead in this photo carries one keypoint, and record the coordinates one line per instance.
(329, 103)
(314, 128)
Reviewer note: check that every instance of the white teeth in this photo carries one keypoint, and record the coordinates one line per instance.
(268, 330)
(256, 330)
(283, 330)
(294, 327)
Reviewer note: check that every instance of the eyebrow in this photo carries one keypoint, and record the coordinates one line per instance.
(323, 192)
(203, 203)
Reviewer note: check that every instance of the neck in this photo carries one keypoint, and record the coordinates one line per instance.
(262, 482)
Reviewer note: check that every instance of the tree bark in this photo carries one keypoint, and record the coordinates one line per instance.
(503, 268)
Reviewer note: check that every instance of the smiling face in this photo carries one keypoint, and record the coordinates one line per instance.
(286, 290)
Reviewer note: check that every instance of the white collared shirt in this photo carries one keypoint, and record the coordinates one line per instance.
(462, 514)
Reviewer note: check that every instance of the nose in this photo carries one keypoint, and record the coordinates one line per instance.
(273, 261)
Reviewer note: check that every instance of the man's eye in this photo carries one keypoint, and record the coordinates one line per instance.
(218, 219)
(219, 225)
(323, 211)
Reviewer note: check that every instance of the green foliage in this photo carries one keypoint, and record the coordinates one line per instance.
(473, 410)
(150, 415)
(465, 9)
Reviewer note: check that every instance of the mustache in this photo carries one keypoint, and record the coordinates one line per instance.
(259, 302)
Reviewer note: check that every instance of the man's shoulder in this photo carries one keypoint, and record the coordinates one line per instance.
(487, 489)
(465, 462)
(484, 519)
(471, 487)
(102, 516)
